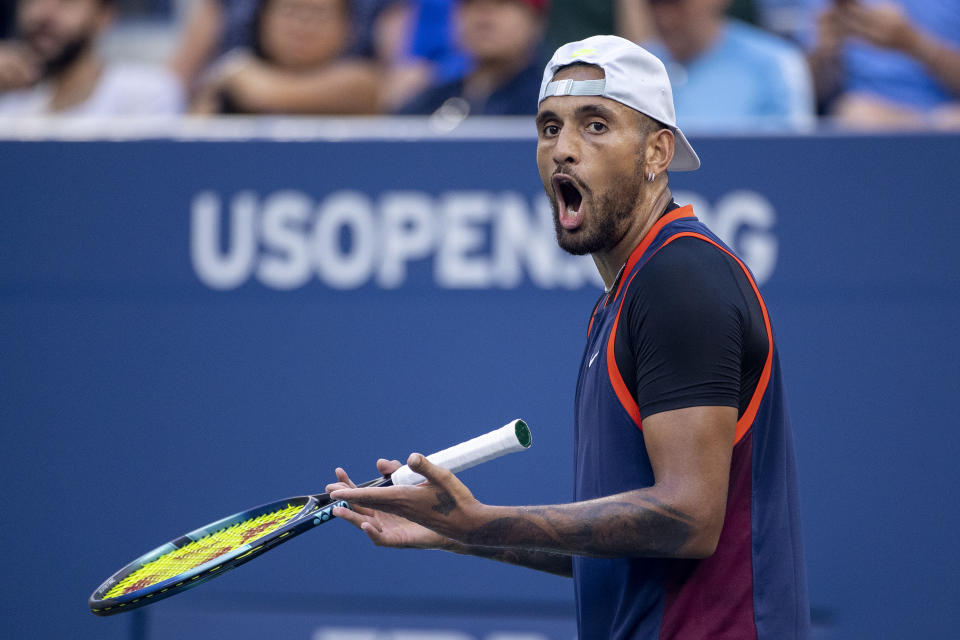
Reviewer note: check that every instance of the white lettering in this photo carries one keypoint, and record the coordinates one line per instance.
(409, 232)
(475, 239)
(216, 269)
(746, 217)
(350, 267)
(459, 264)
(743, 220)
(286, 265)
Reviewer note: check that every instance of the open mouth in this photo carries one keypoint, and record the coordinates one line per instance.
(569, 201)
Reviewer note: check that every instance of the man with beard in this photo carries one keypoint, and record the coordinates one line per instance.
(54, 68)
(685, 516)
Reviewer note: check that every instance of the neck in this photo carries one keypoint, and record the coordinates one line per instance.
(645, 215)
(76, 83)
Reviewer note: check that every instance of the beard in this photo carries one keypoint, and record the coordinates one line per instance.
(609, 216)
(63, 59)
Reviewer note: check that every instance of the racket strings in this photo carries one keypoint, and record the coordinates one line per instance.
(204, 550)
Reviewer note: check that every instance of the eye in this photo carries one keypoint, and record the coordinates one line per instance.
(596, 127)
(551, 130)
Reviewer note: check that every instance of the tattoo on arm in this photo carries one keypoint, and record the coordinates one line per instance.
(608, 527)
(555, 563)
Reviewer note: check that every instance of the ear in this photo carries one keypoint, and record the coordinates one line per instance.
(659, 151)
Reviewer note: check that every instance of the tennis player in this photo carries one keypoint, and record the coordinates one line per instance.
(685, 518)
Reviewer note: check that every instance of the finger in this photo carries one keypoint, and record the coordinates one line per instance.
(369, 513)
(353, 517)
(433, 473)
(343, 477)
(381, 498)
(357, 496)
(386, 467)
(376, 535)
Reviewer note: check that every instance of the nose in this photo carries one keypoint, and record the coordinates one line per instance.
(567, 148)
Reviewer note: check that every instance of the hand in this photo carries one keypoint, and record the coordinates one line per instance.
(237, 74)
(19, 67)
(829, 31)
(882, 25)
(385, 529)
(443, 504)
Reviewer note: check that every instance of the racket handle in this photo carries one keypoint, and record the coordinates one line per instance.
(514, 436)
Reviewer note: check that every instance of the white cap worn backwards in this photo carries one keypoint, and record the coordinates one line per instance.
(632, 76)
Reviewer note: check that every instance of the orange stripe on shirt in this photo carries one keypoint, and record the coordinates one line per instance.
(636, 254)
(613, 372)
(616, 379)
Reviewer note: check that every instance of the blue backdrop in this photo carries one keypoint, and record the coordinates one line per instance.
(190, 328)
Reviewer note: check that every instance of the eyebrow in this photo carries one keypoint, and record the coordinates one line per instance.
(544, 116)
(592, 109)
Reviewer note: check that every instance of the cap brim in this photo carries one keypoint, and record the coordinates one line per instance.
(684, 157)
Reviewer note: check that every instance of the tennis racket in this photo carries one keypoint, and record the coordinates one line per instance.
(210, 551)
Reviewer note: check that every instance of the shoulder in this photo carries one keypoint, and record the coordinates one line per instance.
(686, 275)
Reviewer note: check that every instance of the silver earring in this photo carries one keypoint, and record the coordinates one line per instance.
(651, 176)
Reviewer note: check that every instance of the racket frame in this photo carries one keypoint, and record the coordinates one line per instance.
(317, 509)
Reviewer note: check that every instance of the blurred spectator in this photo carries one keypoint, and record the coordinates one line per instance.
(728, 74)
(297, 65)
(54, 67)
(883, 65)
(215, 27)
(502, 38)
(432, 54)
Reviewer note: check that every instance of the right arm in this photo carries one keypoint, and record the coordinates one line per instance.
(388, 530)
(198, 42)
(548, 561)
(888, 27)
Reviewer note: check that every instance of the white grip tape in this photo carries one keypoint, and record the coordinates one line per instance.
(468, 454)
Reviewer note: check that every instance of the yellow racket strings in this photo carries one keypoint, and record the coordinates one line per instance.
(203, 550)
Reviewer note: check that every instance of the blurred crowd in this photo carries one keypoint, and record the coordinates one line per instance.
(734, 64)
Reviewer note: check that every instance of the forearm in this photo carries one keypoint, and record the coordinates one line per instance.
(556, 563)
(940, 59)
(635, 523)
(345, 88)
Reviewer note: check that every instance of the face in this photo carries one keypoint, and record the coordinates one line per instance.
(686, 27)
(301, 34)
(497, 30)
(590, 152)
(59, 30)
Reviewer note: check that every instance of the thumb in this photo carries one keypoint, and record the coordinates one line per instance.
(433, 473)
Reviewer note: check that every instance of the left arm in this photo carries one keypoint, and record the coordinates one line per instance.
(681, 515)
(345, 87)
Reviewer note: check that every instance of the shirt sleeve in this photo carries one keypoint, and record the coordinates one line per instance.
(680, 342)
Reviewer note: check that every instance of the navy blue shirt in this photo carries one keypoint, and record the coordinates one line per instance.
(698, 335)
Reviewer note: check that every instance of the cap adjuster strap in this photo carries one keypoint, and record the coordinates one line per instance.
(570, 87)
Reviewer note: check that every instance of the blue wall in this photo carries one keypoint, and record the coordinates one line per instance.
(190, 328)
